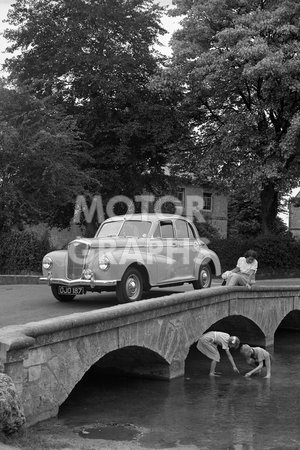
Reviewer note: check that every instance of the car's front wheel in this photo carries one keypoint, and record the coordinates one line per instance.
(60, 297)
(204, 277)
(130, 288)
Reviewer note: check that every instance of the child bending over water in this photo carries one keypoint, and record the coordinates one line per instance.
(257, 357)
(208, 345)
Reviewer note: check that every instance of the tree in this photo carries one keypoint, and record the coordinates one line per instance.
(41, 154)
(244, 215)
(244, 218)
(239, 66)
(96, 59)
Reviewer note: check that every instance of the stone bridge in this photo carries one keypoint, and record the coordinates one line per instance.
(46, 359)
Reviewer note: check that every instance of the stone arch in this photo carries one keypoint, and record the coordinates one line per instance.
(208, 315)
(291, 320)
(169, 337)
(269, 323)
(266, 312)
(285, 331)
(237, 325)
(135, 360)
(131, 360)
(155, 342)
(64, 364)
(217, 316)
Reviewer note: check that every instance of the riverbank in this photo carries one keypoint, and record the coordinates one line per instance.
(53, 435)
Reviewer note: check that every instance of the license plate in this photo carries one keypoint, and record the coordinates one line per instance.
(70, 290)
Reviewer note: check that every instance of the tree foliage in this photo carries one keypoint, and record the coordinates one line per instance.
(95, 60)
(244, 216)
(41, 153)
(239, 65)
(96, 57)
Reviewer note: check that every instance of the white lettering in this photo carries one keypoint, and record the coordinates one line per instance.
(168, 199)
(119, 199)
(145, 200)
(194, 206)
(81, 207)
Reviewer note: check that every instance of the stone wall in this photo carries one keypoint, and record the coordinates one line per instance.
(294, 220)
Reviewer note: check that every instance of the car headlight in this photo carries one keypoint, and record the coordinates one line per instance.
(104, 263)
(47, 263)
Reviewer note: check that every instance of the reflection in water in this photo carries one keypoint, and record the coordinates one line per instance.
(230, 412)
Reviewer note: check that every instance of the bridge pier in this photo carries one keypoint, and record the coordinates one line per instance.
(269, 340)
(176, 369)
(161, 371)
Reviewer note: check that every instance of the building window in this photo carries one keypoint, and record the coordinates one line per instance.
(207, 201)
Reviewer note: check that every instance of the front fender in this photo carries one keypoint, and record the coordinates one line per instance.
(59, 258)
(120, 261)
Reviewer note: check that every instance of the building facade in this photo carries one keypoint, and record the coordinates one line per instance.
(294, 216)
(212, 206)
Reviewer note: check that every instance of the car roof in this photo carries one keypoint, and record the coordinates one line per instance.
(147, 216)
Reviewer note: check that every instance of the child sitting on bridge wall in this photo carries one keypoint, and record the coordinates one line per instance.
(257, 357)
(244, 272)
(208, 345)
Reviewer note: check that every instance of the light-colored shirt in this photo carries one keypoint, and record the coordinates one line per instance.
(245, 267)
(260, 354)
(221, 339)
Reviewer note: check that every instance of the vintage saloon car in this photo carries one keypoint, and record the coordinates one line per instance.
(131, 254)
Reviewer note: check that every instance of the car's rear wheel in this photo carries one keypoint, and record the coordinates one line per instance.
(59, 297)
(130, 288)
(204, 277)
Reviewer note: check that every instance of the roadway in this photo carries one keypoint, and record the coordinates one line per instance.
(31, 302)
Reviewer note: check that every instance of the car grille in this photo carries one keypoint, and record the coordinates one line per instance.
(77, 253)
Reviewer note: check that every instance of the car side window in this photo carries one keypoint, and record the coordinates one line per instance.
(191, 232)
(166, 229)
(157, 233)
(181, 229)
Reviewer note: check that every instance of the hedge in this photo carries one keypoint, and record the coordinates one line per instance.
(22, 252)
(275, 254)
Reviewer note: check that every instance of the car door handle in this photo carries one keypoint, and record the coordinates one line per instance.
(174, 244)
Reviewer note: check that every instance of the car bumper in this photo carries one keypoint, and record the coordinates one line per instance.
(79, 282)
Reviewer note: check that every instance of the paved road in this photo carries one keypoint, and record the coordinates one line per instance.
(26, 303)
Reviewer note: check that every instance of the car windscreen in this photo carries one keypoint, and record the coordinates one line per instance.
(128, 228)
(109, 229)
(135, 228)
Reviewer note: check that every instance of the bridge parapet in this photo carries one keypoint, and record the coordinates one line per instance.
(46, 359)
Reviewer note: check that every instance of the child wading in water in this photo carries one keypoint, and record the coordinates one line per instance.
(257, 357)
(208, 345)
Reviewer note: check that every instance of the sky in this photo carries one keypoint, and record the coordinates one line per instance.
(169, 23)
(4, 5)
